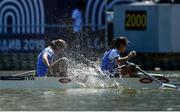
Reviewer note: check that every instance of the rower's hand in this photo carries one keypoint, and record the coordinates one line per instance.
(131, 54)
(50, 70)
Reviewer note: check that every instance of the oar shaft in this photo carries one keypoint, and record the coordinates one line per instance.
(162, 84)
(24, 73)
(145, 73)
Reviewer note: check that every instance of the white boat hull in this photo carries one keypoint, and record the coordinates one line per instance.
(137, 83)
(38, 83)
(69, 82)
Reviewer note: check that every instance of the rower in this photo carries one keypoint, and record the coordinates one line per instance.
(113, 65)
(45, 58)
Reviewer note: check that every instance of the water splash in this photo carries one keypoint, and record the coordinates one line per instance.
(89, 74)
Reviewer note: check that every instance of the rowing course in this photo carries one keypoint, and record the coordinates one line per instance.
(83, 99)
(89, 99)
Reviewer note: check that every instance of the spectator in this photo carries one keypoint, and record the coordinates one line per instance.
(77, 19)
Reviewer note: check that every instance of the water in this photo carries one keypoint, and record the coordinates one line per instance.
(88, 99)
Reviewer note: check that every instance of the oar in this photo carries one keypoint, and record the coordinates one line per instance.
(25, 73)
(153, 78)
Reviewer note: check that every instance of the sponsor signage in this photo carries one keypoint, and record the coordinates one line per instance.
(64, 80)
(146, 80)
(135, 20)
(163, 80)
(21, 45)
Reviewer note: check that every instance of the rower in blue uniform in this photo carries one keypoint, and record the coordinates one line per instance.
(113, 65)
(45, 58)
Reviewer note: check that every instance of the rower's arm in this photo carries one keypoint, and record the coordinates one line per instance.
(122, 60)
(45, 60)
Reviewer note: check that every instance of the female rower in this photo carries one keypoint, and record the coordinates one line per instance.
(45, 58)
(113, 64)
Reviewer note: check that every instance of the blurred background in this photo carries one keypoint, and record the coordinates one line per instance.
(88, 26)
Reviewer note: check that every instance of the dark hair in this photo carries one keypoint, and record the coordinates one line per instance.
(116, 42)
(52, 44)
(59, 43)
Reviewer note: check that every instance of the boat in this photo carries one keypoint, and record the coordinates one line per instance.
(32, 82)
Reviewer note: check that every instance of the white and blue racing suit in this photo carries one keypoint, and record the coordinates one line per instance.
(41, 67)
(108, 64)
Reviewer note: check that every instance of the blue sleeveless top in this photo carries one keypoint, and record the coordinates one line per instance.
(108, 60)
(41, 67)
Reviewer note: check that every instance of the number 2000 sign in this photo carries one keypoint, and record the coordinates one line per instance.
(136, 20)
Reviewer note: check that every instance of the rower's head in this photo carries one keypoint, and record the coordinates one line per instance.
(58, 45)
(120, 43)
